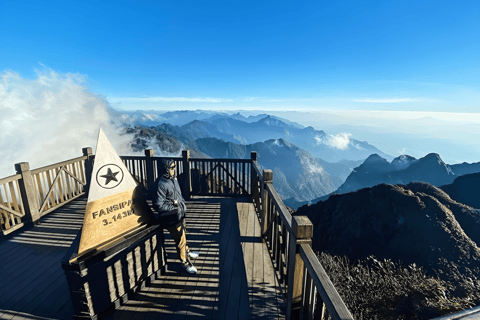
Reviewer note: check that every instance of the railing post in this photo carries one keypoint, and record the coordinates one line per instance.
(267, 179)
(253, 180)
(149, 167)
(28, 191)
(88, 167)
(186, 172)
(302, 233)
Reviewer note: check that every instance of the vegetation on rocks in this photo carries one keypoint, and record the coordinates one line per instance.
(383, 289)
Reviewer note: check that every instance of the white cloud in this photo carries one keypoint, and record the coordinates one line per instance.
(50, 119)
(150, 117)
(394, 100)
(277, 143)
(339, 141)
(164, 99)
(312, 169)
(273, 100)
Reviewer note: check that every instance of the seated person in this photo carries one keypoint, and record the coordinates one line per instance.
(169, 205)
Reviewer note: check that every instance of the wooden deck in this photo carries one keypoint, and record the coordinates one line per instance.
(235, 278)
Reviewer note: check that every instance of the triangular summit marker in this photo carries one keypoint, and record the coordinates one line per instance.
(115, 204)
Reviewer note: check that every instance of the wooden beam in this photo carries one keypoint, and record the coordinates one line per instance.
(72, 175)
(17, 214)
(28, 192)
(51, 189)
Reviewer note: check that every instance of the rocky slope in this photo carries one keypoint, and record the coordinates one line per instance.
(162, 143)
(465, 189)
(418, 223)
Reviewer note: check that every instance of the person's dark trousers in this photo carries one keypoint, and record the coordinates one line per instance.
(178, 233)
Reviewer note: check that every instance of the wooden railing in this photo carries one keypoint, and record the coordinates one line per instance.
(30, 194)
(12, 211)
(59, 184)
(197, 176)
(220, 177)
(288, 240)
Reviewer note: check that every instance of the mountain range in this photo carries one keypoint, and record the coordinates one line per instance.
(258, 128)
(300, 177)
(415, 223)
(331, 148)
(403, 169)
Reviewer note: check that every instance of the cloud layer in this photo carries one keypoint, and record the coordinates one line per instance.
(51, 118)
(339, 141)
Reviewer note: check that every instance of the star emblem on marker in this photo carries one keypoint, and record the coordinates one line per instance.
(110, 176)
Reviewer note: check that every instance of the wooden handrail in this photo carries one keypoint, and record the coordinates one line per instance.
(293, 257)
(280, 206)
(330, 297)
(143, 158)
(56, 165)
(258, 169)
(10, 178)
(30, 194)
(222, 160)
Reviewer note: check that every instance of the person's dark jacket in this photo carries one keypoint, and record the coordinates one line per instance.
(163, 193)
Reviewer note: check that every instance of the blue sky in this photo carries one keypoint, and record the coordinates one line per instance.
(402, 75)
(271, 55)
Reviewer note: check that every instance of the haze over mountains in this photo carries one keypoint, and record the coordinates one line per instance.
(403, 169)
(297, 173)
(239, 129)
(308, 164)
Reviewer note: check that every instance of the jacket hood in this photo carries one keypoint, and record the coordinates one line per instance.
(167, 163)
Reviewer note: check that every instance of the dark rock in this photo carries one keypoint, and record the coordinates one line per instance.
(417, 223)
(465, 189)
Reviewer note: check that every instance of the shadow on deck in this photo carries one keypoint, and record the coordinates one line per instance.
(235, 278)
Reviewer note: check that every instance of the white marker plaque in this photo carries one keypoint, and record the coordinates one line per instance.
(115, 204)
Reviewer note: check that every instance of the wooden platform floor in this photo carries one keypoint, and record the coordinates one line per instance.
(235, 278)
(32, 282)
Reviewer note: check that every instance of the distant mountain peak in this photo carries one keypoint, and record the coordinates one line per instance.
(375, 158)
(238, 116)
(267, 119)
(279, 142)
(273, 121)
(403, 161)
(403, 158)
(433, 157)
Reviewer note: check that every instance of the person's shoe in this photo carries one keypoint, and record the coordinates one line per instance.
(193, 254)
(189, 267)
